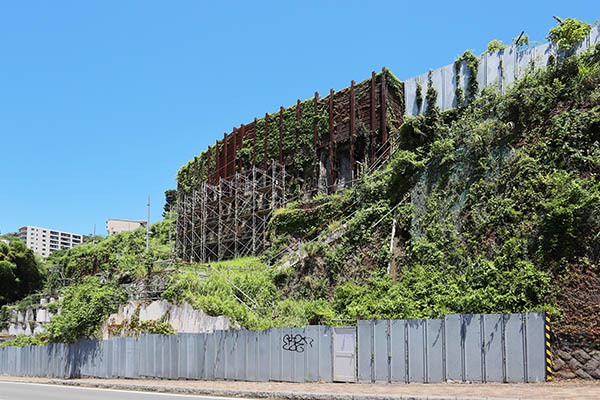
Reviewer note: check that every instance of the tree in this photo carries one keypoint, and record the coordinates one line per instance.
(170, 201)
(20, 272)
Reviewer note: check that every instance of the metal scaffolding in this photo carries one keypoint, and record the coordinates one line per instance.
(229, 219)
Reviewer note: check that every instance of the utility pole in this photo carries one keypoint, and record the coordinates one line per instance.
(148, 225)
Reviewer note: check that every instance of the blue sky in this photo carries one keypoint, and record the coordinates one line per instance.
(101, 102)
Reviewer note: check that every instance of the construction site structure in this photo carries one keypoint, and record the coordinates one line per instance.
(229, 219)
(227, 195)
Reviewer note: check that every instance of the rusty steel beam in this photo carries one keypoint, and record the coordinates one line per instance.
(225, 164)
(217, 162)
(384, 137)
(281, 135)
(208, 168)
(352, 128)
(235, 137)
(254, 143)
(331, 177)
(297, 122)
(373, 106)
(241, 144)
(266, 139)
(316, 126)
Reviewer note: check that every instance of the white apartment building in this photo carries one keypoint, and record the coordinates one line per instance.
(44, 241)
(114, 226)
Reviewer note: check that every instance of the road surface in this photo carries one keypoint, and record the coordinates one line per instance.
(35, 391)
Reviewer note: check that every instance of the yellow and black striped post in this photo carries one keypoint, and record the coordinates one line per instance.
(548, 352)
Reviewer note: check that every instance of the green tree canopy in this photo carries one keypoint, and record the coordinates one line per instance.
(20, 272)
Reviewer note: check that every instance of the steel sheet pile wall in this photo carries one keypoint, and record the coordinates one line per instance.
(499, 68)
(467, 348)
(277, 354)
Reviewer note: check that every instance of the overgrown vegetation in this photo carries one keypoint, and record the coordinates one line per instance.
(120, 258)
(472, 63)
(495, 45)
(21, 273)
(496, 205)
(83, 308)
(568, 33)
(298, 124)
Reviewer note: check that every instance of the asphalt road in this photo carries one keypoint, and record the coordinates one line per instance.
(36, 391)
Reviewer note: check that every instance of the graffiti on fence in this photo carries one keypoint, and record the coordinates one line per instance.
(296, 342)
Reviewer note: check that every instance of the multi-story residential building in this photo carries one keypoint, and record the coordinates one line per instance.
(114, 226)
(44, 241)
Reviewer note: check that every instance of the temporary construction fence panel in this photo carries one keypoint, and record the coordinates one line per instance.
(474, 348)
(466, 348)
(277, 354)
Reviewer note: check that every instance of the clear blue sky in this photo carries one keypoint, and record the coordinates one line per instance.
(101, 102)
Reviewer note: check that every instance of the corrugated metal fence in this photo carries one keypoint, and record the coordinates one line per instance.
(500, 68)
(279, 354)
(492, 348)
(468, 348)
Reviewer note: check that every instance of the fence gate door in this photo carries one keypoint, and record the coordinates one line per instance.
(344, 363)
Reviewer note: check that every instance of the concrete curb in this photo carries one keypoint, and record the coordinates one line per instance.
(260, 394)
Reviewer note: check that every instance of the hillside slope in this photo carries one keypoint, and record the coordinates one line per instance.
(495, 207)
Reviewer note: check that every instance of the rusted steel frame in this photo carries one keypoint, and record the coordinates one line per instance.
(316, 127)
(217, 163)
(266, 140)
(254, 143)
(281, 135)
(297, 123)
(241, 144)
(208, 180)
(352, 128)
(384, 138)
(331, 177)
(373, 106)
(225, 164)
(235, 144)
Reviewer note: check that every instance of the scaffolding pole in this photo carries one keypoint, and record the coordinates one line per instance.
(229, 219)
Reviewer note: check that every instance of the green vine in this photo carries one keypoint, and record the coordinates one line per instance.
(298, 151)
(472, 84)
(134, 327)
(419, 96)
(495, 45)
(568, 33)
(432, 108)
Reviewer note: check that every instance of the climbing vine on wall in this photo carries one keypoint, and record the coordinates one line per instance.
(419, 96)
(472, 84)
(432, 108)
(297, 139)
